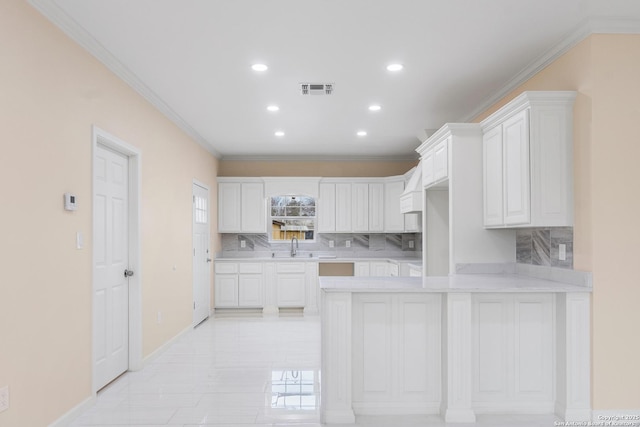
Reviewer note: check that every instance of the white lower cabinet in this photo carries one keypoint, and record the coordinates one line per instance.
(396, 353)
(291, 282)
(239, 285)
(226, 290)
(379, 269)
(512, 352)
(361, 269)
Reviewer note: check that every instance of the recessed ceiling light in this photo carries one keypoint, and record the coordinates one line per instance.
(394, 67)
(259, 67)
(374, 107)
(273, 108)
(279, 133)
(361, 133)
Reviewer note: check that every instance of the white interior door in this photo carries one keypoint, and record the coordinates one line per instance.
(111, 255)
(201, 254)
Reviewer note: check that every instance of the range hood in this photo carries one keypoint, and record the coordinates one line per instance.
(411, 198)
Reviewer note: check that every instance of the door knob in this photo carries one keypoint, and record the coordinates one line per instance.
(208, 259)
(128, 273)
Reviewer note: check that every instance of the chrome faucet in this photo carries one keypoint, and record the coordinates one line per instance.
(294, 250)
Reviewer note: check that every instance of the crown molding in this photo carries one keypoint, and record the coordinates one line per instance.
(320, 158)
(582, 31)
(78, 34)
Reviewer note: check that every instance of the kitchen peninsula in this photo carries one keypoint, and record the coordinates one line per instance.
(455, 345)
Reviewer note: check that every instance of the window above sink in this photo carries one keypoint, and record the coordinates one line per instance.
(292, 216)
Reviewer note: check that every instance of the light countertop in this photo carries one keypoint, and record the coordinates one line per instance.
(446, 284)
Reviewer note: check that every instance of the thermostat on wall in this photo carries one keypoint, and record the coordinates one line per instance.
(70, 202)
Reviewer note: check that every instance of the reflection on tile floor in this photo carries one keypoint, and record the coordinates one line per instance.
(242, 372)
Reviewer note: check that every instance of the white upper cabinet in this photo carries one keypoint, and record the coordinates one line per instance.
(229, 207)
(254, 215)
(327, 208)
(343, 207)
(492, 172)
(393, 218)
(435, 163)
(376, 207)
(352, 205)
(360, 207)
(528, 162)
(241, 206)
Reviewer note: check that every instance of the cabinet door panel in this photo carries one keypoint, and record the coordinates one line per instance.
(250, 290)
(394, 219)
(226, 290)
(291, 290)
(376, 207)
(517, 190)
(327, 208)
(343, 207)
(379, 269)
(229, 207)
(440, 160)
(492, 174)
(360, 207)
(361, 269)
(533, 347)
(427, 169)
(254, 208)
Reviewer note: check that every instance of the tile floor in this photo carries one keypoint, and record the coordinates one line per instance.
(241, 372)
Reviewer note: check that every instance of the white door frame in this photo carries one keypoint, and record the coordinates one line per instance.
(206, 187)
(103, 138)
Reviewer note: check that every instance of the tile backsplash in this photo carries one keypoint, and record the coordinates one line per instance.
(344, 245)
(539, 246)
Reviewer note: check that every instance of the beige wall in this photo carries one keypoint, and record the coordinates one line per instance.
(52, 92)
(323, 169)
(604, 69)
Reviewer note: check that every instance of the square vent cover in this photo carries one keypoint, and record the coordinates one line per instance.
(316, 88)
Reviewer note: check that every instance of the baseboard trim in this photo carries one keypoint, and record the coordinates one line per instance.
(516, 408)
(74, 413)
(154, 355)
(399, 408)
(459, 416)
(339, 417)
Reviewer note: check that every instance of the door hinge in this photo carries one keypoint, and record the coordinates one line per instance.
(194, 305)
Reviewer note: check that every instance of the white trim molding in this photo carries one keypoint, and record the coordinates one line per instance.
(77, 33)
(134, 155)
(582, 31)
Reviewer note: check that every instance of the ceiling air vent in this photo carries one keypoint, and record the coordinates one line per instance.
(316, 88)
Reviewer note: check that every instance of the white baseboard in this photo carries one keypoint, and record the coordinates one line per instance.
(150, 358)
(517, 408)
(459, 416)
(339, 417)
(396, 408)
(73, 413)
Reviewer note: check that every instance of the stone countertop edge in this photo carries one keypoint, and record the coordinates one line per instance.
(472, 283)
(321, 259)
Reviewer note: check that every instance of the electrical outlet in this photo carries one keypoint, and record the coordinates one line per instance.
(411, 244)
(331, 244)
(562, 252)
(4, 398)
(348, 243)
(243, 243)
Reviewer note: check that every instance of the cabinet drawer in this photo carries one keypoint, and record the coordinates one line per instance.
(250, 267)
(226, 267)
(290, 267)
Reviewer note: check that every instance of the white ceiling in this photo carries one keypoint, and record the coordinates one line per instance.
(192, 59)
